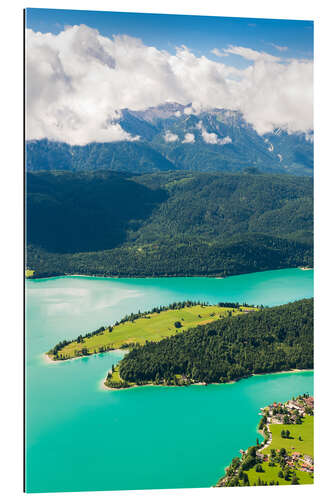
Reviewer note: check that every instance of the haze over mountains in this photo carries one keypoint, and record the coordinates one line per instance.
(176, 137)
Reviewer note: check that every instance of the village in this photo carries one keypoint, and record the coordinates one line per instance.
(282, 451)
(291, 412)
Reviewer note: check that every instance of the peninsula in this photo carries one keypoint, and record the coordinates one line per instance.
(150, 326)
(267, 340)
(196, 343)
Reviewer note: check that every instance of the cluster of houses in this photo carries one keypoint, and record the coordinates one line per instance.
(291, 411)
(304, 405)
(300, 462)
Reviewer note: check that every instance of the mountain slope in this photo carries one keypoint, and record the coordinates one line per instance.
(134, 157)
(173, 223)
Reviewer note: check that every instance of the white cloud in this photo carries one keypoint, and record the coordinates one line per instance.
(189, 111)
(170, 137)
(250, 54)
(78, 81)
(211, 137)
(279, 47)
(189, 138)
(218, 53)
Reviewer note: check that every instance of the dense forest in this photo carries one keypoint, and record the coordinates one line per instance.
(269, 340)
(113, 156)
(172, 223)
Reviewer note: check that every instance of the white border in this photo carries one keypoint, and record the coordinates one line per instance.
(11, 241)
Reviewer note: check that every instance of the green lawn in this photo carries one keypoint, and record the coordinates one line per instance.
(152, 327)
(271, 474)
(305, 430)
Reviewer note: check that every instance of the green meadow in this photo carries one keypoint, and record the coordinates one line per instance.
(271, 474)
(149, 327)
(305, 430)
(293, 444)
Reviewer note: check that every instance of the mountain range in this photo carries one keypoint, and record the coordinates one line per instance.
(174, 137)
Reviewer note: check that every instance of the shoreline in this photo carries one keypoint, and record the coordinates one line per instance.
(48, 360)
(294, 370)
(213, 276)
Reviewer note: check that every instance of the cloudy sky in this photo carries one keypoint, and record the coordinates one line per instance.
(84, 67)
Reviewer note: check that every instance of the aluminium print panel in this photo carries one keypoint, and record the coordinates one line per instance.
(169, 251)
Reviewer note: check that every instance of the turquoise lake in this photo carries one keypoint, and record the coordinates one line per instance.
(81, 437)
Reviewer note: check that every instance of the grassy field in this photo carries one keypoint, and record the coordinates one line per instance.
(271, 474)
(29, 273)
(305, 430)
(293, 444)
(152, 327)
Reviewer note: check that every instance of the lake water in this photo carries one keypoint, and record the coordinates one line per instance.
(81, 437)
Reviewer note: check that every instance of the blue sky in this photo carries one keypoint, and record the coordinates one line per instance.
(198, 33)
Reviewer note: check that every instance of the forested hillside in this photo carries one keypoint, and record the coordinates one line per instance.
(172, 223)
(270, 340)
(114, 156)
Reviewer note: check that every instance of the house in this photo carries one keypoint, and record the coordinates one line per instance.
(309, 402)
(308, 459)
(294, 405)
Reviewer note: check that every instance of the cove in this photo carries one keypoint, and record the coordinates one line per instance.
(80, 437)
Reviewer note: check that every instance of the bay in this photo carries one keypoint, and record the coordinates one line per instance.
(81, 437)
